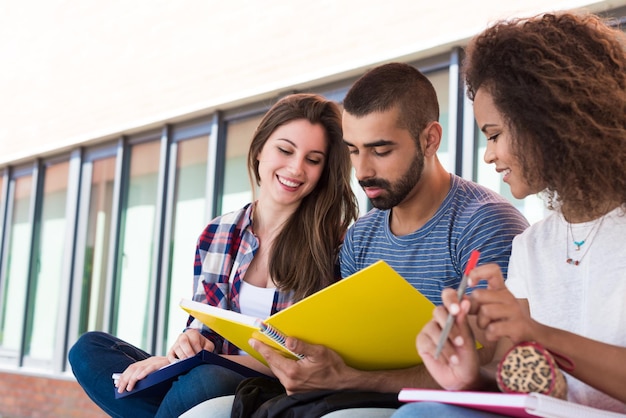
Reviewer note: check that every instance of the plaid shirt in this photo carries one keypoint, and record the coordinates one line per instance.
(223, 254)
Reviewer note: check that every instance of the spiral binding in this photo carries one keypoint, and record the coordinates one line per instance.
(276, 336)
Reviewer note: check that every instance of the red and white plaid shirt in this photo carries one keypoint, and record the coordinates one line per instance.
(223, 253)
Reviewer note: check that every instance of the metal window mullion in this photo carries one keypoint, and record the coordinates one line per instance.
(455, 119)
(215, 166)
(4, 198)
(470, 157)
(5, 216)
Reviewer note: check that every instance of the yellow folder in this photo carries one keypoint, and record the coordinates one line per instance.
(371, 319)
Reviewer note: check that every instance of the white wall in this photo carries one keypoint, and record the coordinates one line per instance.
(81, 71)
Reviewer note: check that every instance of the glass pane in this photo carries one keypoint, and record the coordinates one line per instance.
(97, 246)
(187, 224)
(237, 190)
(16, 279)
(532, 207)
(44, 298)
(441, 82)
(1, 201)
(135, 277)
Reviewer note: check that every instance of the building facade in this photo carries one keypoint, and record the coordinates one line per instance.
(124, 129)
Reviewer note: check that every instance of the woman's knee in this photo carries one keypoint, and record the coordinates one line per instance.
(85, 344)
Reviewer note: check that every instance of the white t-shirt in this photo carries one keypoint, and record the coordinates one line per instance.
(588, 299)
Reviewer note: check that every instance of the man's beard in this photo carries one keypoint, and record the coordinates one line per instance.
(398, 191)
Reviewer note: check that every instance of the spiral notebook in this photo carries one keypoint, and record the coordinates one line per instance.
(508, 404)
(370, 319)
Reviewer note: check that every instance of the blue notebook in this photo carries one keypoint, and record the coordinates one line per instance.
(157, 383)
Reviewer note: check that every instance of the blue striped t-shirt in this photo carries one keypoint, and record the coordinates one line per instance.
(432, 258)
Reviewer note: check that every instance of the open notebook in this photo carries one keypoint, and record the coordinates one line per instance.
(508, 404)
(371, 319)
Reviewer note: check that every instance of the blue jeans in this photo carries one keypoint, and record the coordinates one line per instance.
(434, 409)
(97, 355)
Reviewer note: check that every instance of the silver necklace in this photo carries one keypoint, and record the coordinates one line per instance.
(578, 244)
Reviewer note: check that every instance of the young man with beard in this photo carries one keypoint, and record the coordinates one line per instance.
(426, 220)
(425, 223)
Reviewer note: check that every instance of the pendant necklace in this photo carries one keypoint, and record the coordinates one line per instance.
(579, 244)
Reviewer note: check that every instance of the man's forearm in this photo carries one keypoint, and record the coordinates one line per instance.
(388, 380)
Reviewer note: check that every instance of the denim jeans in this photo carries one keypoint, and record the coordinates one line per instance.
(97, 355)
(434, 409)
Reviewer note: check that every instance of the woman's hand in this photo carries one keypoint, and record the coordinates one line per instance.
(138, 371)
(188, 344)
(499, 313)
(458, 365)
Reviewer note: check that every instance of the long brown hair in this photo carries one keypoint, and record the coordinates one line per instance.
(559, 80)
(305, 251)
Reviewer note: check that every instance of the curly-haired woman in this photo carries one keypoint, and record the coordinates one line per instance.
(549, 93)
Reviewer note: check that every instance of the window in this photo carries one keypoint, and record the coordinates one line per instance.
(446, 153)
(188, 221)
(237, 188)
(46, 286)
(2, 208)
(15, 266)
(133, 307)
(96, 222)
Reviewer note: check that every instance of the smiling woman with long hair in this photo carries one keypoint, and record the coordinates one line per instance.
(257, 260)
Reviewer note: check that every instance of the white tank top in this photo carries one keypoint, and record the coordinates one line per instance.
(255, 301)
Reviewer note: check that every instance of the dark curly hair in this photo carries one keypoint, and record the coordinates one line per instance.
(559, 80)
